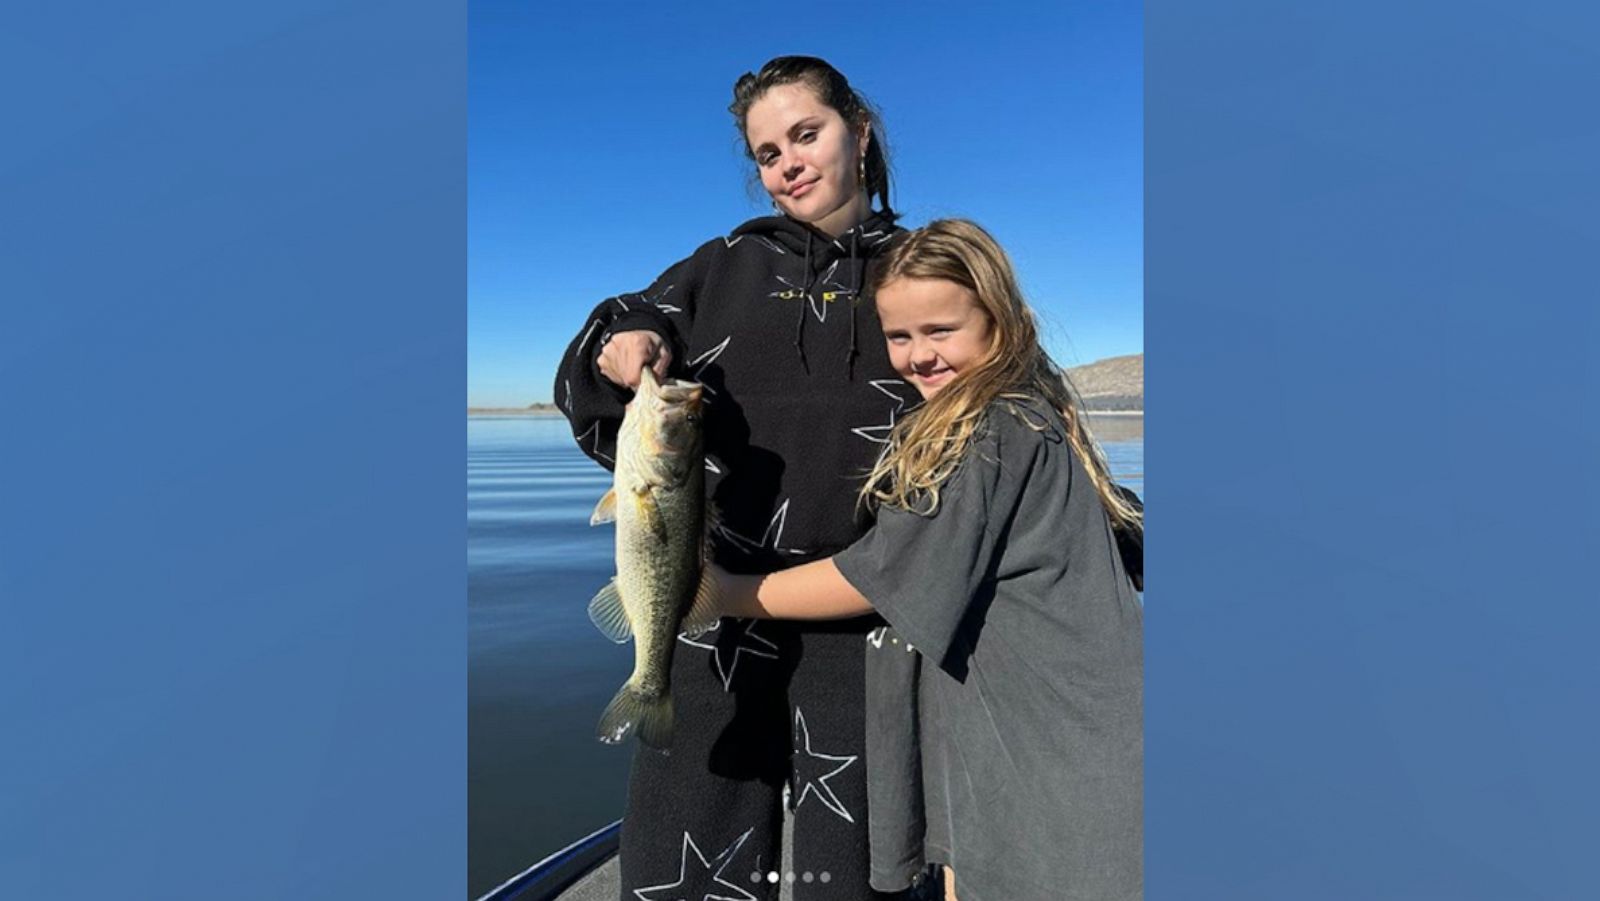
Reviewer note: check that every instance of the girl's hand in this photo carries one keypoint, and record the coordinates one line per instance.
(735, 595)
(627, 353)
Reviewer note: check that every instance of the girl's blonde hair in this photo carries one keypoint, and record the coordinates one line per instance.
(926, 447)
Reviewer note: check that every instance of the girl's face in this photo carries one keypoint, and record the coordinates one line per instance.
(808, 157)
(935, 329)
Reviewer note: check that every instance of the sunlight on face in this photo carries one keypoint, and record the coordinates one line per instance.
(808, 157)
(935, 329)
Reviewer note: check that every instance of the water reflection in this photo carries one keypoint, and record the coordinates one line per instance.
(538, 672)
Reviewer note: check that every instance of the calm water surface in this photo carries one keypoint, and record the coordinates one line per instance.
(539, 674)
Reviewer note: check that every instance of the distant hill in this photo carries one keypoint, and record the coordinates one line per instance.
(1115, 383)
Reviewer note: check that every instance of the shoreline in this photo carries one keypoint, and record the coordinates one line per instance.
(502, 412)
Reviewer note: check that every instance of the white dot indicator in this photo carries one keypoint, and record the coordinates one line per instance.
(789, 877)
(756, 876)
(826, 876)
(772, 877)
(807, 876)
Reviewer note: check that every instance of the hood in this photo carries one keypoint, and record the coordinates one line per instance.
(793, 235)
(843, 259)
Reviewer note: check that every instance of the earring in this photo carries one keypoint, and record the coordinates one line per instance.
(862, 173)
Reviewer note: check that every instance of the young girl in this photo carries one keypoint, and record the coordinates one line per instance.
(1004, 718)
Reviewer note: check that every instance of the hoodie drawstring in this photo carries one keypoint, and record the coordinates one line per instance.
(855, 296)
(805, 300)
(858, 269)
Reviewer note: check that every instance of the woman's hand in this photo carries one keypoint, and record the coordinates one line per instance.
(627, 353)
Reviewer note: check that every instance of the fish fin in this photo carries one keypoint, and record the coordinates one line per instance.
(606, 510)
(632, 711)
(704, 613)
(608, 614)
(713, 523)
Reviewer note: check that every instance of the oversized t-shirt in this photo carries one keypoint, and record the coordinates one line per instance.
(1004, 703)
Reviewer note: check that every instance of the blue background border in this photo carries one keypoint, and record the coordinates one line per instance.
(1371, 320)
(232, 351)
(233, 357)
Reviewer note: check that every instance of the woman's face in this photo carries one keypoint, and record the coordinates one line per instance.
(935, 329)
(808, 157)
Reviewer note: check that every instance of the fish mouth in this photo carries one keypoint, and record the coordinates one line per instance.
(667, 393)
(679, 393)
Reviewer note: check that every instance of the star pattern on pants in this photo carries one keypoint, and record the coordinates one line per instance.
(813, 769)
(700, 879)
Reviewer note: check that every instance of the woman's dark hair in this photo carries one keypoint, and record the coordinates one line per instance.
(834, 91)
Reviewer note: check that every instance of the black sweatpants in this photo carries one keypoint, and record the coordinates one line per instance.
(758, 706)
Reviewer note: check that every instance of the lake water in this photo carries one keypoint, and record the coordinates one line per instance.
(538, 672)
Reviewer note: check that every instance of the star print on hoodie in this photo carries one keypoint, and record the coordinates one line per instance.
(776, 320)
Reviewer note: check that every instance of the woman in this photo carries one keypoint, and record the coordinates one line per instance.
(800, 398)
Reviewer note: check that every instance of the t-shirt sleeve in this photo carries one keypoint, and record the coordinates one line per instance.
(923, 573)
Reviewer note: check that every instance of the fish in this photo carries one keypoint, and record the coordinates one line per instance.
(662, 587)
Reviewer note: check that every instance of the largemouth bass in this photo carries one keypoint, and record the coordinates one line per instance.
(658, 503)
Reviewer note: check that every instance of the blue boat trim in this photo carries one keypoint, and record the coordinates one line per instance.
(548, 878)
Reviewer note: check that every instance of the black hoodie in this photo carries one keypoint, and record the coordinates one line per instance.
(800, 395)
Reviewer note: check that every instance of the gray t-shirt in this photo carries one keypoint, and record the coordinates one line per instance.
(1009, 744)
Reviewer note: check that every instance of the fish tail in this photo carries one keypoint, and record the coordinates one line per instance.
(633, 710)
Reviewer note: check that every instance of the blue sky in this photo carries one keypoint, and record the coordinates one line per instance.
(600, 152)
